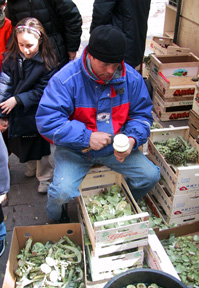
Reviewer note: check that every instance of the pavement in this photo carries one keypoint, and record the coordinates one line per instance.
(25, 206)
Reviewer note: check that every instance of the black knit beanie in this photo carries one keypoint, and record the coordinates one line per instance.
(107, 44)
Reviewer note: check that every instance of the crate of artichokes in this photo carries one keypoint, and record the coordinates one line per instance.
(177, 154)
(112, 217)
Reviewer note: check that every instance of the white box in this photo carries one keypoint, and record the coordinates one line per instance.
(178, 205)
(156, 256)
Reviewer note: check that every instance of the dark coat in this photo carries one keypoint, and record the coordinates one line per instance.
(66, 11)
(26, 80)
(131, 17)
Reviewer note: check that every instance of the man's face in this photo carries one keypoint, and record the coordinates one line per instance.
(103, 70)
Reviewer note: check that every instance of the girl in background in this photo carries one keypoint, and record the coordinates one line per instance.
(28, 64)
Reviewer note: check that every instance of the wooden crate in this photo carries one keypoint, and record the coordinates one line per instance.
(194, 125)
(196, 102)
(176, 87)
(156, 207)
(178, 178)
(103, 240)
(175, 206)
(180, 67)
(163, 45)
(106, 266)
(171, 110)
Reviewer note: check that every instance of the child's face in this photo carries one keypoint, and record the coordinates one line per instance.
(28, 44)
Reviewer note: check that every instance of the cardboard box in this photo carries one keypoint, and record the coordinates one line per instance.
(178, 178)
(190, 229)
(181, 230)
(179, 67)
(194, 125)
(157, 258)
(41, 233)
(103, 240)
(171, 110)
(165, 46)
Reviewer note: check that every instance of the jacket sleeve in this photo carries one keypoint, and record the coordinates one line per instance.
(140, 112)
(71, 18)
(6, 87)
(53, 117)
(102, 13)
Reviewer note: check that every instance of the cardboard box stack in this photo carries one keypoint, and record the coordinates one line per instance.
(115, 243)
(173, 87)
(176, 196)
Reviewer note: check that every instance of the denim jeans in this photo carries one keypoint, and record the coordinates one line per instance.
(2, 231)
(71, 168)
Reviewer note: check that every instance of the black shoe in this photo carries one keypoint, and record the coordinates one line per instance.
(64, 216)
(2, 246)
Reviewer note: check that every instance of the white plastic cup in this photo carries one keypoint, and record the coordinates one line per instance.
(121, 143)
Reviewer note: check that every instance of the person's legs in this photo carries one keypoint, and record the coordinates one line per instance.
(44, 173)
(140, 172)
(31, 168)
(70, 169)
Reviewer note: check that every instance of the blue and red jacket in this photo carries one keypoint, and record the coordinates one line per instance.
(74, 105)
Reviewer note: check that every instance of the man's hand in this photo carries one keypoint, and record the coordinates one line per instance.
(120, 156)
(3, 198)
(3, 124)
(71, 55)
(99, 140)
(8, 105)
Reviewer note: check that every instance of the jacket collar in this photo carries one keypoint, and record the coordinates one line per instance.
(117, 77)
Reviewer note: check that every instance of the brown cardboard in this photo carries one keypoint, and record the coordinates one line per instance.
(41, 233)
(185, 229)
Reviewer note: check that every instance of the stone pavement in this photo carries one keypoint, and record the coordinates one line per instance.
(25, 206)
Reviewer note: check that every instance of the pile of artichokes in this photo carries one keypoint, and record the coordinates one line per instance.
(177, 151)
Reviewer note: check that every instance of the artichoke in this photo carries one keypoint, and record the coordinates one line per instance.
(176, 158)
(164, 150)
(155, 126)
(174, 144)
(190, 153)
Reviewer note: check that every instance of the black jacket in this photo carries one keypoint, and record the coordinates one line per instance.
(131, 17)
(26, 81)
(66, 11)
